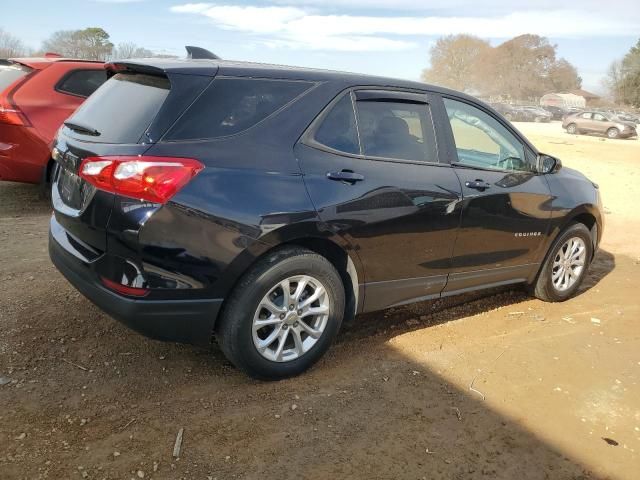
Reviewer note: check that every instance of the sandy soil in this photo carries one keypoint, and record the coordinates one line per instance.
(495, 385)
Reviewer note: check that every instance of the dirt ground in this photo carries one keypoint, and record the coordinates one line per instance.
(495, 385)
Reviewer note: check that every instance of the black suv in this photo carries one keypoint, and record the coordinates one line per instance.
(261, 205)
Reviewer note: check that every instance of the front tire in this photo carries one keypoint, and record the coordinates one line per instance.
(572, 129)
(283, 315)
(566, 265)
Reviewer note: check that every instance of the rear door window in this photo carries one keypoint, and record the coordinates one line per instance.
(122, 108)
(232, 105)
(337, 129)
(396, 130)
(10, 73)
(81, 83)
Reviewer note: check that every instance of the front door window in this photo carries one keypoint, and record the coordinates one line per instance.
(483, 142)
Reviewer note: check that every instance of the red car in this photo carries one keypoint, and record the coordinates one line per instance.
(36, 96)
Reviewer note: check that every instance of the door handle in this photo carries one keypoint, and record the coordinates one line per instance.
(478, 184)
(346, 176)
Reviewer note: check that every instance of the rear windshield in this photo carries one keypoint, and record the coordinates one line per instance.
(10, 72)
(233, 105)
(121, 109)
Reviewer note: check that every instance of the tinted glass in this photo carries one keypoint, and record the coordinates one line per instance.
(232, 105)
(396, 130)
(482, 141)
(11, 73)
(338, 128)
(82, 82)
(122, 108)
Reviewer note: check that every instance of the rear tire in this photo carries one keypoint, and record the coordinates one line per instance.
(613, 132)
(566, 265)
(258, 330)
(508, 116)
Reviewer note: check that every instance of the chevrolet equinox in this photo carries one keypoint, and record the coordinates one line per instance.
(262, 205)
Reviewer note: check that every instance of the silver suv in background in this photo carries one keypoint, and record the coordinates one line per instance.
(598, 122)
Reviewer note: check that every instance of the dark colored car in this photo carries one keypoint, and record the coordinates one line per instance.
(262, 205)
(599, 122)
(516, 113)
(538, 114)
(556, 112)
(36, 95)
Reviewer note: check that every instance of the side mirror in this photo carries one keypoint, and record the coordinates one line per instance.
(549, 164)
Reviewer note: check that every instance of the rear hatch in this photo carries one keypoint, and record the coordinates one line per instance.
(124, 117)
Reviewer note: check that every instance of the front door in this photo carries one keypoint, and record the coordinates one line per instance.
(382, 187)
(505, 207)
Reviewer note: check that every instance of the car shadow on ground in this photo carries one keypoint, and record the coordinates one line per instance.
(393, 321)
(84, 387)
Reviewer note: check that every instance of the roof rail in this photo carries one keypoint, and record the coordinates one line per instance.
(198, 52)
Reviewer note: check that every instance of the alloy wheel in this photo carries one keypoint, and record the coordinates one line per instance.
(568, 264)
(290, 318)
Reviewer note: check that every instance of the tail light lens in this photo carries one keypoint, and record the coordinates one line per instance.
(155, 179)
(10, 113)
(124, 289)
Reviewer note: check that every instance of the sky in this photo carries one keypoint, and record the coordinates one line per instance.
(382, 37)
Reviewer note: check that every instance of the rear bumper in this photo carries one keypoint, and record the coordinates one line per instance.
(184, 321)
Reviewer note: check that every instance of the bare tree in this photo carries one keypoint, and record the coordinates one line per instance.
(455, 61)
(11, 46)
(130, 50)
(88, 44)
(523, 67)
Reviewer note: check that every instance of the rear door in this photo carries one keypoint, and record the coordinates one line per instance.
(383, 187)
(505, 208)
(585, 122)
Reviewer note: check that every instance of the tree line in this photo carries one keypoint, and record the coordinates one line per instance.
(91, 43)
(523, 67)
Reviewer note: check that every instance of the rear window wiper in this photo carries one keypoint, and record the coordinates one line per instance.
(78, 127)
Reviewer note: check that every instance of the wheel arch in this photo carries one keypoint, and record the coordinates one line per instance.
(333, 247)
(586, 214)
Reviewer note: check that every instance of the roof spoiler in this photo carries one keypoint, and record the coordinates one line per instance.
(200, 53)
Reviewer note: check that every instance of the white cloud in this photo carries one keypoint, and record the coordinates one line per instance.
(295, 27)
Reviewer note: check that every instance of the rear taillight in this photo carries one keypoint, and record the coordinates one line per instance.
(155, 179)
(124, 289)
(10, 113)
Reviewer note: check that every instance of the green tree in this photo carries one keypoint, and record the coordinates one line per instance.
(88, 44)
(623, 78)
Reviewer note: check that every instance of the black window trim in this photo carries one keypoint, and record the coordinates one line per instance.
(312, 86)
(414, 96)
(455, 161)
(67, 75)
(308, 137)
